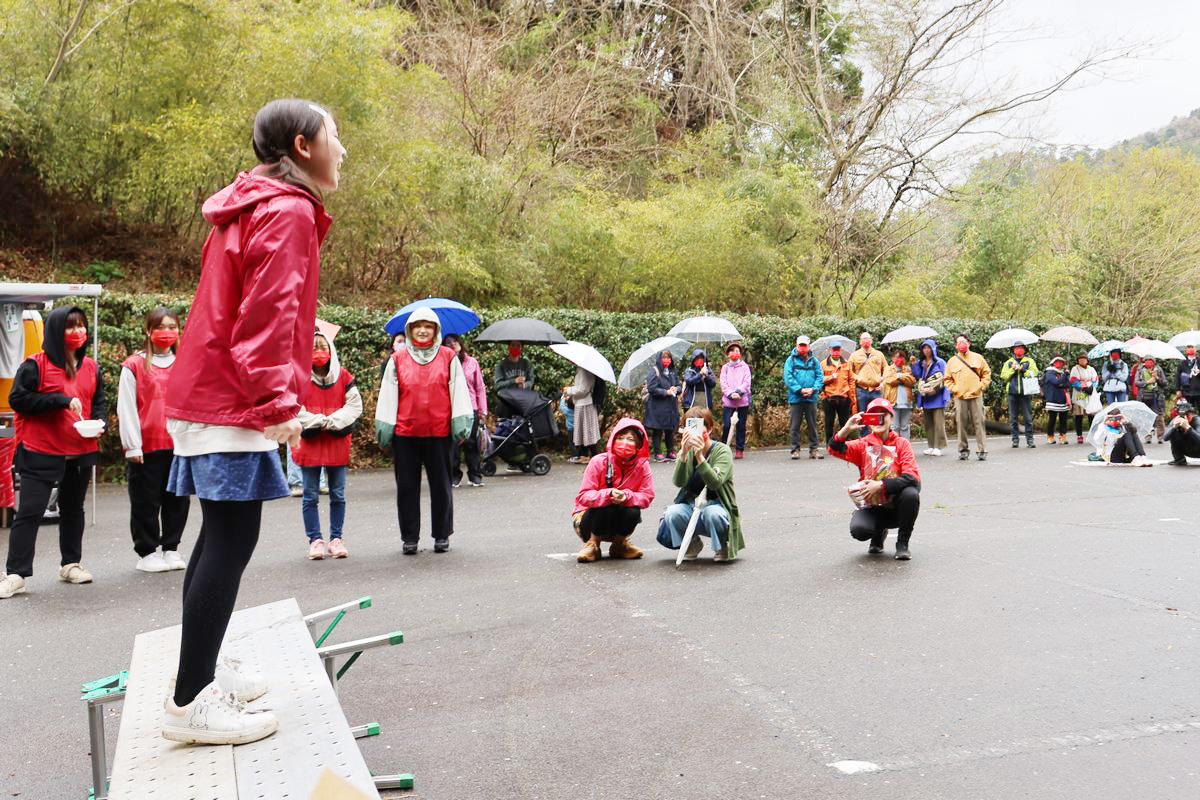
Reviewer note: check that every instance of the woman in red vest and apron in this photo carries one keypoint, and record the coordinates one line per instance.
(329, 410)
(53, 390)
(424, 408)
(156, 517)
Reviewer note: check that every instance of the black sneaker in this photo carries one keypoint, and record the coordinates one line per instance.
(1179, 462)
(982, 456)
(795, 454)
(1031, 445)
(964, 455)
(1016, 444)
(457, 482)
(410, 548)
(902, 553)
(875, 549)
(441, 545)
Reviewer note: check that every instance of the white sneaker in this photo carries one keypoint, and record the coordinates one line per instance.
(152, 563)
(694, 548)
(215, 717)
(174, 560)
(935, 452)
(928, 451)
(10, 585)
(233, 679)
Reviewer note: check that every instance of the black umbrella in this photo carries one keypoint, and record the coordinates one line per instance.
(523, 329)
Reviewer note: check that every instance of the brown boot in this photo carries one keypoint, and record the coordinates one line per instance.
(590, 551)
(621, 548)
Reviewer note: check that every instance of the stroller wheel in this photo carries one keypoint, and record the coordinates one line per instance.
(540, 464)
(488, 468)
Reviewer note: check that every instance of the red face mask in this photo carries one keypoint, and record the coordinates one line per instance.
(75, 340)
(898, 361)
(1115, 357)
(802, 350)
(624, 449)
(514, 351)
(698, 363)
(1149, 363)
(666, 362)
(962, 347)
(162, 339)
(734, 355)
(321, 357)
(1190, 352)
(1019, 352)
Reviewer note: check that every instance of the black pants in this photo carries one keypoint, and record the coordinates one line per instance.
(661, 440)
(1181, 447)
(470, 450)
(743, 415)
(35, 494)
(873, 523)
(806, 412)
(1061, 418)
(609, 521)
(1127, 447)
(1020, 405)
(149, 501)
(210, 587)
(835, 408)
(410, 453)
(1079, 423)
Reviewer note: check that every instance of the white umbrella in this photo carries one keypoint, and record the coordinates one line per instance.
(1137, 412)
(706, 329)
(588, 357)
(633, 373)
(910, 333)
(1153, 348)
(1184, 339)
(1069, 334)
(1011, 337)
(821, 347)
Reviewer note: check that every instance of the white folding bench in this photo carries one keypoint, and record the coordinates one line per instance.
(303, 675)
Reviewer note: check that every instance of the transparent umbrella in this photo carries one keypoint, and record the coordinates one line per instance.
(821, 347)
(633, 373)
(910, 333)
(705, 329)
(1011, 337)
(1137, 412)
(1069, 334)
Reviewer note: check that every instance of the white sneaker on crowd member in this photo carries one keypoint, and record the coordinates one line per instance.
(928, 451)
(216, 717)
(174, 560)
(10, 585)
(233, 678)
(935, 452)
(152, 562)
(74, 573)
(297, 491)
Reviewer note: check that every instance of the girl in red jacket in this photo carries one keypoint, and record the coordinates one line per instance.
(234, 395)
(331, 406)
(617, 485)
(141, 402)
(52, 391)
(889, 487)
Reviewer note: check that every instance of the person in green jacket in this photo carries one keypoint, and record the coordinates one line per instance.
(1015, 372)
(703, 463)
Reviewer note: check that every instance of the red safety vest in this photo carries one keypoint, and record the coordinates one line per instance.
(151, 403)
(53, 433)
(423, 408)
(324, 449)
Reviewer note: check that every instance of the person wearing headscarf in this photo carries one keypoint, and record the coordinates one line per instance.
(617, 485)
(1083, 383)
(1058, 401)
(1151, 382)
(663, 388)
(424, 408)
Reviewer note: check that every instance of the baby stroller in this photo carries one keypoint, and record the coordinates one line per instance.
(516, 438)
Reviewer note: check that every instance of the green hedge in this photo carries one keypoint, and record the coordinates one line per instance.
(362, 345)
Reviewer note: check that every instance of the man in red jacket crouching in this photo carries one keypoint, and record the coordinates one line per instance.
(888, 493)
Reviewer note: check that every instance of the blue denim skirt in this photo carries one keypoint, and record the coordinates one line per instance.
(228, 476)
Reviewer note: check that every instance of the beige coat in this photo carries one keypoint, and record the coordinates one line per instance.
(969, 380)
(869, 370)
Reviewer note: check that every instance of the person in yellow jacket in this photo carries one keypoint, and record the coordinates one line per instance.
(869, 368)
(967, 378)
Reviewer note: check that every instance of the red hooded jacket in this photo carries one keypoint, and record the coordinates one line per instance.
(634, 478)
(247, 350)
(905, 466)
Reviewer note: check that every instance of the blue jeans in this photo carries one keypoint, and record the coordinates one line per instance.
(293, 473)
(713, 522)
(337, 501)
(1115, 397)
(865, 397)
(1020, 408)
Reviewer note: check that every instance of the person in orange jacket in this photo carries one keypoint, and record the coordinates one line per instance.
(838, 400)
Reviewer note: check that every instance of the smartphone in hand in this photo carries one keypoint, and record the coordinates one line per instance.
(873, 418)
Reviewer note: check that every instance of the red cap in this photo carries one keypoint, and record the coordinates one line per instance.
(879, 404)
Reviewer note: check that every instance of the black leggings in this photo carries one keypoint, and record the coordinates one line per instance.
(226, 542)
(609, 522)
(1128, 447)
(1079, 423)
(873, 522)
(1061, 418)
(661, 440)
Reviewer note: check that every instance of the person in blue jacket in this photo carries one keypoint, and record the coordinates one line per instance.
(804, 378)
(932, 395)
(696, 377)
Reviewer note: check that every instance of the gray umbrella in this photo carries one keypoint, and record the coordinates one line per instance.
(522, 329)
(821, 347)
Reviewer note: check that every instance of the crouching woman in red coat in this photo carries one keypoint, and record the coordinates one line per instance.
(424, 408)
(616, 486)
(889, 488)
(329, 410)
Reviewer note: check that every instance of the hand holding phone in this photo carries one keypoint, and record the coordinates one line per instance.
(872, 418)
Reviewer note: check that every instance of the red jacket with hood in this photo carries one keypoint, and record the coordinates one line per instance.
(905, 464)
(634, 477)
(246, 353)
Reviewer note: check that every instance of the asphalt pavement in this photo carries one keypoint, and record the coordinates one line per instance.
(1042, 643)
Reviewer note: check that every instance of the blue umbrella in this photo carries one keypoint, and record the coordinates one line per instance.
(1104, 348)
(455, 317)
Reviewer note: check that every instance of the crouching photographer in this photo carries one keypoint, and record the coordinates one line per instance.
(888, 492)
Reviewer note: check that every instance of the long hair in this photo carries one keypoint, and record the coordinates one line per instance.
(276, 126)
(153, 320)
(74, 319)
(462, 352)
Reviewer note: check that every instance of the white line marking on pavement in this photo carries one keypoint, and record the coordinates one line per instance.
(1170, 519)
(560, 556)
(854, 767)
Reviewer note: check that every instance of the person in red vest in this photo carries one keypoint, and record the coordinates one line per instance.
(329, 410)
(424, 408)
(53, 390)
(156, 517)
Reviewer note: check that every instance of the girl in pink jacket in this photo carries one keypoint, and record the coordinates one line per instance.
(470, 448)
(735, 394)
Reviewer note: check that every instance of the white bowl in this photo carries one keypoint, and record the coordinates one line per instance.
(90, 428)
